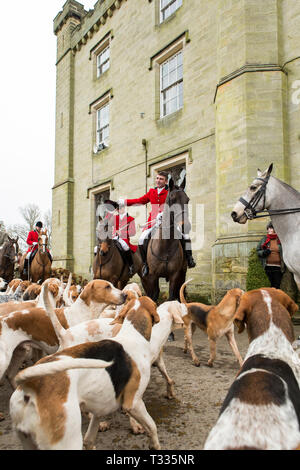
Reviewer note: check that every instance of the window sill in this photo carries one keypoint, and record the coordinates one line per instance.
(102, 75)
(100, 152)
(169, 119)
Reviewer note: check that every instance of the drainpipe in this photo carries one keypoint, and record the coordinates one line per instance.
(145, 145)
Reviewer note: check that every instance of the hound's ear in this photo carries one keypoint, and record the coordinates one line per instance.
(151, 307)
(241, 315)
(171, 184)
(292, 308)
(123, 313)
(182, 186)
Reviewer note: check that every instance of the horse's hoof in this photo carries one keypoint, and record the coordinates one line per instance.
(171, 337)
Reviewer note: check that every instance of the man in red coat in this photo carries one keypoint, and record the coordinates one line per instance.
(123, 229)
(32, 242)
(157, 197)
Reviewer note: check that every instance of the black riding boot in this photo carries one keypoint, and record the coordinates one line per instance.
(188, 253)
(143, 251)
(25, 268)
(129, 261)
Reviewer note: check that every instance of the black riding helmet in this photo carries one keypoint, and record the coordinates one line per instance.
(39, 224)
(270, 225)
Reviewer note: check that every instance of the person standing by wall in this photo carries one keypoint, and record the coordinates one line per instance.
(269, 251)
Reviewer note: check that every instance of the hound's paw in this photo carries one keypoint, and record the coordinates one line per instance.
(88, 446)
(210, 364)
(104, 426)
(196, 363)
(137, 429)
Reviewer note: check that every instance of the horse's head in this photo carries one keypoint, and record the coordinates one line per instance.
(177, 205)
(104, 235)
(10, 250)
(254, 199)
(43, 241)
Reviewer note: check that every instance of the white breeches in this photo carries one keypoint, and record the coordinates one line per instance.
(122, 243)
(145, 234)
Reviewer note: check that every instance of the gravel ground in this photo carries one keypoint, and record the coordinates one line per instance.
(182, 423)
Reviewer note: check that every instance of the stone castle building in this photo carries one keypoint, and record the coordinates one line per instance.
(206, 88)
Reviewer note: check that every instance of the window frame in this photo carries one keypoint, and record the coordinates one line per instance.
(99, 72)
(173, 85)
(162, 9)
(94, 109)
(101, 129)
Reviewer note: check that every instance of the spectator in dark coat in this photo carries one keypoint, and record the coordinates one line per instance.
(269, 251)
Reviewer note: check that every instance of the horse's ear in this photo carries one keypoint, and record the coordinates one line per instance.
(171, 184)
(182, 186)
(269, 171)
(259, 172)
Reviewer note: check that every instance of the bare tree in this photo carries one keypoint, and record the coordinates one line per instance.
(48, 225)
(31, 214)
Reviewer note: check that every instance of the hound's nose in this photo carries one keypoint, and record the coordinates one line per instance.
(234, 216)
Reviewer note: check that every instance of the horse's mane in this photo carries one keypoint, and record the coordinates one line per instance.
(288, 187)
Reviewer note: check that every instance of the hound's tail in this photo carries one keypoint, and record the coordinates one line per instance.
(66, 298)
(58, 328)
(181, 293)
(61, 365)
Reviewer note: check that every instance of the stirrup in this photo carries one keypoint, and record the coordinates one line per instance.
(131, 270)
(145, 270)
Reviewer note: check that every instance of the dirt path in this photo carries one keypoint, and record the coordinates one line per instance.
(183, 423)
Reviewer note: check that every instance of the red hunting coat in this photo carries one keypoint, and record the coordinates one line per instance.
(33, 236)
(157, 201)
(125, 228)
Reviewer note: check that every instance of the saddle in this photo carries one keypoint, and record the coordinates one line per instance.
(121, 251)
(33, 253)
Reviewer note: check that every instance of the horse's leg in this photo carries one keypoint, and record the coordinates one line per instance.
(176, 282)
(151, 287)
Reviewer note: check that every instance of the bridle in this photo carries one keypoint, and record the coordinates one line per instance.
(250, 211)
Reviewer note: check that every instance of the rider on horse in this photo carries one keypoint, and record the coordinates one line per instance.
(123, 229)
(32, 242)
(157, 197)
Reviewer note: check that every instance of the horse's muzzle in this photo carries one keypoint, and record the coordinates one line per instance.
(234, 216)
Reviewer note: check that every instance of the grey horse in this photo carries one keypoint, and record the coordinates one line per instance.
(268, 195)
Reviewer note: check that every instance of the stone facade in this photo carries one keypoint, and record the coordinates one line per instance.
(240, 70)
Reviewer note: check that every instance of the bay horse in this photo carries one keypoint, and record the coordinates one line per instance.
(269, 196)
(8, 257)
(108, 263)
(165, 255)
(40, 267)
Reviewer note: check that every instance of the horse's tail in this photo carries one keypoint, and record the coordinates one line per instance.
(58, 328)
(66, 363)
(181, 293)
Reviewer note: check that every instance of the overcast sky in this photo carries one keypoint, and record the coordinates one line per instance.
(27, 104)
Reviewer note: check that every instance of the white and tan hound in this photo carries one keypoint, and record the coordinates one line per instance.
(262, 408)
(113, 373)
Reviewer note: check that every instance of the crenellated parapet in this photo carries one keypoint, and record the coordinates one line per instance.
(87, 22)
